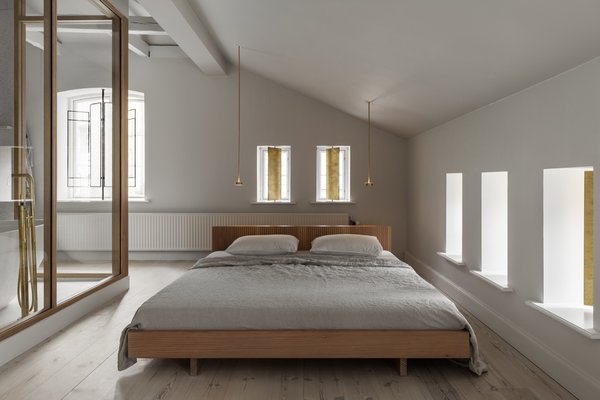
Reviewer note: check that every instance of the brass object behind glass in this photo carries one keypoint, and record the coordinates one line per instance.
(28, 301)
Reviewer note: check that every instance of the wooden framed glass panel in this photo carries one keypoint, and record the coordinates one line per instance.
(30, 156)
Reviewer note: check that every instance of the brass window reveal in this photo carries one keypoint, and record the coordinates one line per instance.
(274, 173)
(333, 173)
(588, 238)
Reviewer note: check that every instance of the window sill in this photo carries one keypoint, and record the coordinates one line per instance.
(500, 282)
(576, 317)
(274, 203)
(453, 258)
(79, 201)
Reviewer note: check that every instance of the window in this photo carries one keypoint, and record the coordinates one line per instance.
(494, 227)
(568, 236)
(454, 215)
(569, 248)
(333, 173)
(273, 174)
(85, 145)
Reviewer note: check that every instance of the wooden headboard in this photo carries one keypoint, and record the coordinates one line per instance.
(223, 236)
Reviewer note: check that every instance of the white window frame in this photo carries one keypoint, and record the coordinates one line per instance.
(65, 102)
(262, 173)
(345, 171)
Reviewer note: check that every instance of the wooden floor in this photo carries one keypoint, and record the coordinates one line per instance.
(80, 363)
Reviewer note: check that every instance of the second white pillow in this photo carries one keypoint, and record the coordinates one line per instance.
(350, 244)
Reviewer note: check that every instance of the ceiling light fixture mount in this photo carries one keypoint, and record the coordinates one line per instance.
(369, 182)
(238, 181)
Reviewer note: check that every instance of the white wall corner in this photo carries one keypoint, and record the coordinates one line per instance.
(574, 379)
(24, 340)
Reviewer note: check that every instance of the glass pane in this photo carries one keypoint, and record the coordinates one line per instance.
(33, 8)
(78, 7)
(136, 161)
(21, 178)
(84, 150)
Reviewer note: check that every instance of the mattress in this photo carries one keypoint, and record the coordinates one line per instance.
(302, 291)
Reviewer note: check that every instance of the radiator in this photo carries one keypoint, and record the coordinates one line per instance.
(169, 232)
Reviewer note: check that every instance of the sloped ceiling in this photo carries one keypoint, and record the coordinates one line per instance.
(424, 62)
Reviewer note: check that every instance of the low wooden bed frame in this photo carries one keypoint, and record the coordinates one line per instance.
(394, 344)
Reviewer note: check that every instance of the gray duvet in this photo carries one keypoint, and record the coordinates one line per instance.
(300, 291)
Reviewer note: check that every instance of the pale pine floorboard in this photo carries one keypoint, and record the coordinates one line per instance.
(80, 363)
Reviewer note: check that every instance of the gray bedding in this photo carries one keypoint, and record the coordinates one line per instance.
(300, 291)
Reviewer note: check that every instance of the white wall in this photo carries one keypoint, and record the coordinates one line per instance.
(191, 128)
(553, 124)
(6, 62)
(191, 136)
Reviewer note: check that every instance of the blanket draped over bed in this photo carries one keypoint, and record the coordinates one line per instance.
(301, 291)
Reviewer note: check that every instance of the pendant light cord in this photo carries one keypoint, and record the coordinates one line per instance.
(369, 182)
(238, 181)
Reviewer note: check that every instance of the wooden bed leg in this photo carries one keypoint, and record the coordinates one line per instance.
(194, 366)
(401, 365)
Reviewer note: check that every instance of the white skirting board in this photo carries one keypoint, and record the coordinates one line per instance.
(27, 338)
(95, 256)
(576, 380)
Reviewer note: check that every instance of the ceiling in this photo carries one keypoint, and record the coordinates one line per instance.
(424, 62)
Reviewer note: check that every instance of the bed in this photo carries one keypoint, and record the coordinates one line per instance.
(299, 306)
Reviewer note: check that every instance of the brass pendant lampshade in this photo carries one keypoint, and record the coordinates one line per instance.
(238, 181)
(369, 182)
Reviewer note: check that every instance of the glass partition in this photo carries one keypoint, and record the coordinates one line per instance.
(22, 254)
(84, 148)
(55, 253)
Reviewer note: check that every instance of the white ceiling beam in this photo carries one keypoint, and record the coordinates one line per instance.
(139, 46)
(137, 26)
(183, 25)
(145, 26)
(166, 52)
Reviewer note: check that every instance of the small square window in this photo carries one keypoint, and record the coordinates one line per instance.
(273, 174)
(333, 173)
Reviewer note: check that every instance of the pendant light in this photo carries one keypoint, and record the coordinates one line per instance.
(238, 181)
(369, 182)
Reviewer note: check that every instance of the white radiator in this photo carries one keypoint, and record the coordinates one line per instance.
(169, 232)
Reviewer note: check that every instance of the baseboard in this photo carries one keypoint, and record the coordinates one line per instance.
(94, 256)
(167, 255)
(42, 330)
(573, 378)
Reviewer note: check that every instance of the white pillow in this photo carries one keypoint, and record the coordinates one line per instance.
(350, 244)
(255, 245)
